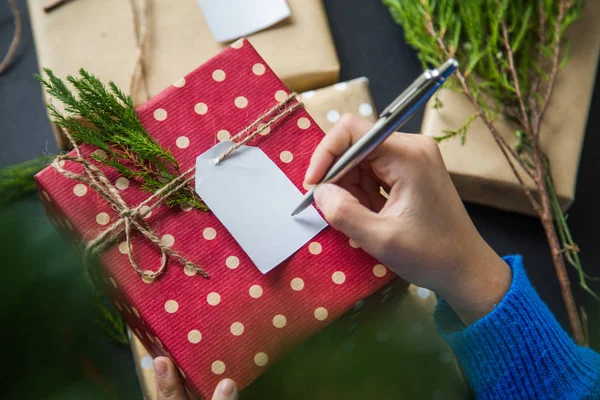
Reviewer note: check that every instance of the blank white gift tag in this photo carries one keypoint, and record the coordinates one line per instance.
(254, 200)
(233, 19)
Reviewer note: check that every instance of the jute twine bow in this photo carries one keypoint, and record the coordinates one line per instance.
(132, 218)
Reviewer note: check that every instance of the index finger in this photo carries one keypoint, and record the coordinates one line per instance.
(343, 134)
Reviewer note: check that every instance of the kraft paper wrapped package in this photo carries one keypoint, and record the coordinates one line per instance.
(99, 36)
(478, 168)
(388, 333)
(328, 104)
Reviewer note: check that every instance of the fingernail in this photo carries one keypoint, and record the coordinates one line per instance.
(308, 172)
(160, 368)
(226, 387)
(320, 192)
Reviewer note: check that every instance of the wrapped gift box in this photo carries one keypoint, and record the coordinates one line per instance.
(478, 168)
(401, 327)
(99, 36)
(328, 104)
(239, 322)
(396, 320)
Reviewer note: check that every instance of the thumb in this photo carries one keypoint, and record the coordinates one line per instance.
(168, 381)
(344, 212)
(226, 390)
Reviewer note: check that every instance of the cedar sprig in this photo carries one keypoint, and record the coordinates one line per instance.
(106, 118)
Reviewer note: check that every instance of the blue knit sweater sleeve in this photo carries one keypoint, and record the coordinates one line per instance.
(519, 350)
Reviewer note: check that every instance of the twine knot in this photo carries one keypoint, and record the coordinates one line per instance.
(132, 218)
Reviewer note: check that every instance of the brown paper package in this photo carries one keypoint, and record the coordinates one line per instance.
(478, 168)
(99, 36)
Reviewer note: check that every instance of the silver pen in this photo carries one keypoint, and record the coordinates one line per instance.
(392, 118)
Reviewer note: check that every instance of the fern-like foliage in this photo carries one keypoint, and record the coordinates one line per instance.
(106, 118)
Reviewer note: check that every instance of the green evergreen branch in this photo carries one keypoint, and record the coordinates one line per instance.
(109, 320)
(460, 132)
(514, 47)
(111, 124)
(16, 181)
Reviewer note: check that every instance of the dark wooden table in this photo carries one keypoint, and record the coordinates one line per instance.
(369, 44)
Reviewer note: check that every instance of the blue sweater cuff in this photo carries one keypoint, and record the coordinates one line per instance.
(519, 350)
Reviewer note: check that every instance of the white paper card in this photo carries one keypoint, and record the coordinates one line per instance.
(233, 19)
(254, 200)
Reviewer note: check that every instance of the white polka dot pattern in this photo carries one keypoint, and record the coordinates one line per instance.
(379, 270)
(171, 306)
(255, 291)
(218, 75)
(315, 248)
(194, 336)
(79, 190)
(258, 69)
(223, 135)
(241, 102)
(182, 142)
(340, 86)
(261, 359)
(279, 321)
(189, 270)
(218, 367)
(179, 83)
(308, 95)
(286, 156)
(200, 108)
(321, 313)
(167, 240)
(102, 218)
(338, 277)
(146, 362)
(297, 284)
(160, 114)
(303, 123)
(333, 116)
(238, 44)
(232, 262)
(365, 109)
(209, 233)
(146, 211)
(281, 95)
(237, 329)
(308, 287)
(213, 298)
(122, 183)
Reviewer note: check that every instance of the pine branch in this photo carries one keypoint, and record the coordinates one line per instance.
(105, 118)
(514, 47)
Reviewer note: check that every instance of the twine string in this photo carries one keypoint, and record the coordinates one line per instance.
(139, 75)
(261, 127)
(14, 44)
(132, 218)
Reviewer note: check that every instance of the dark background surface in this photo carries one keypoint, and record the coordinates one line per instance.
(369, 44)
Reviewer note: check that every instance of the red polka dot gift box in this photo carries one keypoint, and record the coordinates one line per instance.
(238, 322)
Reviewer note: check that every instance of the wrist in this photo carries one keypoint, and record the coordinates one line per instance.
(482, 283)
